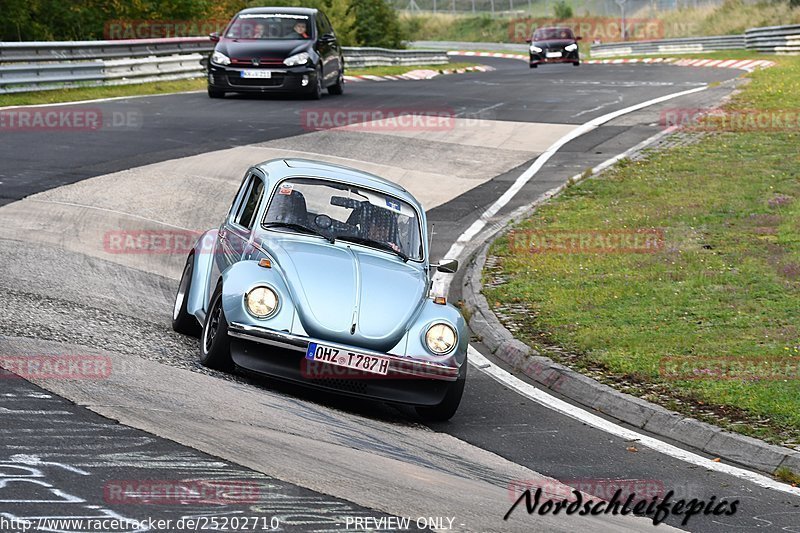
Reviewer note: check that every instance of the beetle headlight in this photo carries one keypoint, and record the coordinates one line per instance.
(220, 59)
(441, 338)
(536, 50)
(261, 302)
(571, 47)
(297, 59)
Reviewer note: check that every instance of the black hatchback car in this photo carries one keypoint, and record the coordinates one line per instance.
(276, 49)
(553, 45)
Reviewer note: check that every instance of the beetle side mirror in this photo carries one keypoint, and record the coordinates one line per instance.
(447, 266)
(214, 37)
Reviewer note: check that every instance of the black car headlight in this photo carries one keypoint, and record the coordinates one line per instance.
(296, 60)
(220, 59)
(571, 47)
(441, 338)
(536, 49)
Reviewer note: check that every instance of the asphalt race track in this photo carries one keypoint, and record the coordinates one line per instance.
(313, 461)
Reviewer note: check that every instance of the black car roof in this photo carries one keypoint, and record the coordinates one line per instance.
(287, 10)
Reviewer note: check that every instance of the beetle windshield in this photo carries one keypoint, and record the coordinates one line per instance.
(269, 26)
(346, 212)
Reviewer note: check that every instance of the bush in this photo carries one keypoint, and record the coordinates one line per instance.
(562, 10)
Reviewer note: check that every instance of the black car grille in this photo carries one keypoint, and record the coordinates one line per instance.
(263, 62)
(275, 81)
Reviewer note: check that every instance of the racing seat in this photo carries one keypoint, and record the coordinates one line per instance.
(288, 208)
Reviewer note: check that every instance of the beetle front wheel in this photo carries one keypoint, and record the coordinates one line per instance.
(215, 345)
(449, 405)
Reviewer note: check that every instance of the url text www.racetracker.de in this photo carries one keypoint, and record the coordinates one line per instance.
(655, 509)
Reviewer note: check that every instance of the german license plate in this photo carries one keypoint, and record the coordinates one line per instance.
(347, 359)
(553, 54)
(253, 73)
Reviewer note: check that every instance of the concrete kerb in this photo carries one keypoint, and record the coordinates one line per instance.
(712, 440)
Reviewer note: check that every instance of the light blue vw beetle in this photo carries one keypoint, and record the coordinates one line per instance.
(320, 275)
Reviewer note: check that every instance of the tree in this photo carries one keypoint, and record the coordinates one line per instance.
(376, 23)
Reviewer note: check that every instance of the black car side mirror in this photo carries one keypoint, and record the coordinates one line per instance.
(447, 266)
(578, 38)
(528, 40)
(214, 37)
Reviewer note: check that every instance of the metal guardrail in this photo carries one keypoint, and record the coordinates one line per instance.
(29, 66)
(774, 39)
(686, 45)
(378, 57)
(463, 45)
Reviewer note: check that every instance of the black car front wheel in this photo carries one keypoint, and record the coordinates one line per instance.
(215, 93)
(445, 410)
(576, 63)
(338, 87)
(533, 65)
(215, 345)
(316, 88)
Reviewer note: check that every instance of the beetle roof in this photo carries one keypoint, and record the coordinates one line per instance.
(283, 168)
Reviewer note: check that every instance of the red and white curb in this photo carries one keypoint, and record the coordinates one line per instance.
(745, 64)
(422, 74)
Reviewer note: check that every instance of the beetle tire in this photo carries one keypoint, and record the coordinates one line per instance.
(449, 405)
(215, 345)
(182, 321)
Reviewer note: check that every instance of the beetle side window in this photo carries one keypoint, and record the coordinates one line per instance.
(249, 206)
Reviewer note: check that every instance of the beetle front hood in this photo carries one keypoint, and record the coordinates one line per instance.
(335, 286)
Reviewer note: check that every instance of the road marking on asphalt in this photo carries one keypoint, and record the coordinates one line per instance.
(441, 282)
(581, 415)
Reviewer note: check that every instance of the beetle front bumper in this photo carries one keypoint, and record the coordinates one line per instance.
(408, 381)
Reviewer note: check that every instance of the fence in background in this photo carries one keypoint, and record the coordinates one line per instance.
(28, 66)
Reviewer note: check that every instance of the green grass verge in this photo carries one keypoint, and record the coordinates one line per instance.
(726, 283)
(91, 93)
(396, 70)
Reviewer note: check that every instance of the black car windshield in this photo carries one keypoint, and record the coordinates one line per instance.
(346, 212)
(269, 26)
(550, 34)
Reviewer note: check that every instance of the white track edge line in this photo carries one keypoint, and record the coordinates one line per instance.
(581, 415)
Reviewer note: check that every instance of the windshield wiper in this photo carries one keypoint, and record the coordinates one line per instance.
(298, 227)
(376, 244)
